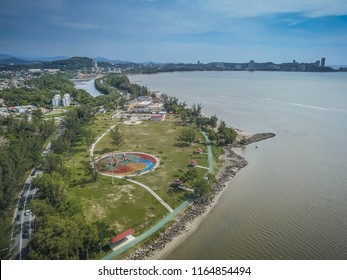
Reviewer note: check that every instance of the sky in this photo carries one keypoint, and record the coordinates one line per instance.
(177, 30)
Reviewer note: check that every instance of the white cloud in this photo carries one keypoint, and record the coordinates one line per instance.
(256, 8)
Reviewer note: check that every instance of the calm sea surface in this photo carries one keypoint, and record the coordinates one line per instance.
(290, 202)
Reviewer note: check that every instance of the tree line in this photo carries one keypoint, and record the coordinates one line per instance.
(113, 83)
(61, 231)
(21, 144)
(40, 91)
(218, 132)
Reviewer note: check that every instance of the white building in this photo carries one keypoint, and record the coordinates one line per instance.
(56, 100)
(66, 100)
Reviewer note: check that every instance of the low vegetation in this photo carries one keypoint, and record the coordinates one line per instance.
(78, 210)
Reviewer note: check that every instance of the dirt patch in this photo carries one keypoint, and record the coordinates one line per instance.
(95, 211)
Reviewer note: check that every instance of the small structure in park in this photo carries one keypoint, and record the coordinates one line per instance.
(158, 117)
(198, 151)
(133, 121)
(122, 239)
(178, 182)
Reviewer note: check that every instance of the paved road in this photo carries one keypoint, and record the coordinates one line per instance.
(23, 221)
(23, 226)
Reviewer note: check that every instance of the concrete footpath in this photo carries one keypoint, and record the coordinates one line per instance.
(148, 233)
(209, 152)
(167, 219)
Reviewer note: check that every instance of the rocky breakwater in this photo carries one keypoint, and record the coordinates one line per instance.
(231, 164)
(252, 139)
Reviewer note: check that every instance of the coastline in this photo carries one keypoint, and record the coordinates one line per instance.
(188, 222)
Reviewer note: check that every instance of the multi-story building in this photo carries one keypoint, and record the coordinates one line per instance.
(322, 62)
(56, 100)
(251, 65)
(66, 100)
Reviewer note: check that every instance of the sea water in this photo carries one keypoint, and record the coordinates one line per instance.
(290, 202)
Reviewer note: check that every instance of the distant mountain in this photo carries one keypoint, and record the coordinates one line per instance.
(16, 61)
(73, 63)
(31, 59)
(5, 56)
(45, 58)
(121, 62)
(104, 59)
(23, 60)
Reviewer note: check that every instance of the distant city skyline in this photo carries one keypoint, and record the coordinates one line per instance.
(177, 31)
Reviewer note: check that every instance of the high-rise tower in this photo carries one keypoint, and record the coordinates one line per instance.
(322, 62)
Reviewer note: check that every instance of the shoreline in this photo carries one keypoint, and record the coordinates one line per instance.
(189, 221)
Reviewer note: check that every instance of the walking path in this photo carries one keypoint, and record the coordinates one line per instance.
(148, 233)
(154, 194)
(164, 221)
(92, 147)
(209, 151)
(186, 189)
(203, 167)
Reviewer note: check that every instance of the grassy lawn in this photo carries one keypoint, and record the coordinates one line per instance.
(121, 205)
(124, 205)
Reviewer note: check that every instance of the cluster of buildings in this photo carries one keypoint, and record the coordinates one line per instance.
(294, 66)
(59, 100)
(18, 79)
(153, 107)
(144, 108)
(14, 79)
(21, 110)
(145, 104)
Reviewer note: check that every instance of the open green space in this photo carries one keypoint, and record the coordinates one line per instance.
(124, 205)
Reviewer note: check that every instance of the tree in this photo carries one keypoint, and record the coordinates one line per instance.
(213, 121)
(37, 116)
(117, 136)
(225, 133)
(201, 187)
(190, 176)
(184, 116)
(51, 188)
(202, 122)
(213, 136)
(88, 136)
(90, 170)
(67, 238)
(53, 162)
(188, 135)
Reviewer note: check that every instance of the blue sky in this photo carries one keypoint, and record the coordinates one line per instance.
(177, 30)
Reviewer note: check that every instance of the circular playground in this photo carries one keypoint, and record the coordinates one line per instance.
(126, 164)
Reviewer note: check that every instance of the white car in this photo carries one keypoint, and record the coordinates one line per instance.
(27, 212)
